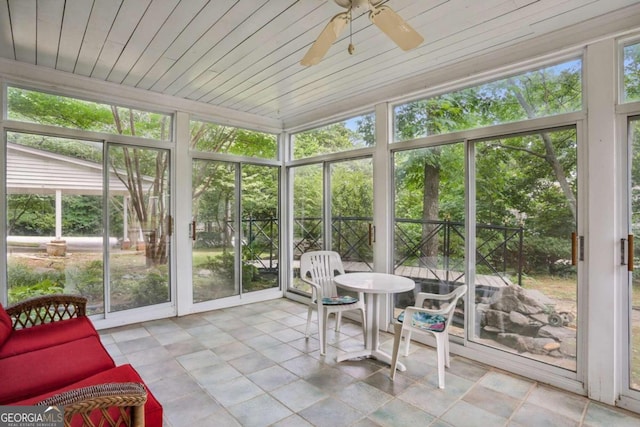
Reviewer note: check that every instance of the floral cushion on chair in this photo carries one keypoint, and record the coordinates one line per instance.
(339, 300)
(426, 321)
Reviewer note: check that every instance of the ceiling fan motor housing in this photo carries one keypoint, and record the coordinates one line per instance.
(355, 4)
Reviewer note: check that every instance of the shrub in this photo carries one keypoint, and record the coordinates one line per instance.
(152, 289)
(45, 287)
(19, 274)
(88, 279)
(25, 282)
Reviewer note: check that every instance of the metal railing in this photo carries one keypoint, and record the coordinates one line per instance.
(438, 246)
(435, 245)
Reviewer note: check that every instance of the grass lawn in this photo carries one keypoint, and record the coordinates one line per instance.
(564, 291)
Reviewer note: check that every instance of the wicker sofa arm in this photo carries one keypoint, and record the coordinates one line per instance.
(45, 309)
(103, 397)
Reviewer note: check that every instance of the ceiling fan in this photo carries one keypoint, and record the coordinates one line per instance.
(382, 16)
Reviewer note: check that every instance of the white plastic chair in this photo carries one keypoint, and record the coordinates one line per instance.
(435, 322)
(318, 268)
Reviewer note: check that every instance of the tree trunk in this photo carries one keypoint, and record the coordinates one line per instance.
(430, 212)
(148, 205)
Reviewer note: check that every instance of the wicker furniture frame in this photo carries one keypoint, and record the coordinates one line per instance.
(129, 398)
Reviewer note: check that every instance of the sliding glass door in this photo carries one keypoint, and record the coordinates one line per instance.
(333, 210)
(526, 246)
(235, 229)
(67, 233)
(351, 188)
(55, 199)
(429, 223)
(633, 304)
(139, 268)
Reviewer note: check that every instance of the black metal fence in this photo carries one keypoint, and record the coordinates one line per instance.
(437, 246)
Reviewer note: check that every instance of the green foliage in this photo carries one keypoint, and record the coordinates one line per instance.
(211, 137)
(331, 139)
(260, 191)
(82, 215)
(546, 255)
(87, 279)
(224, 266)
(307, 190)
(25, 282)
(39, 107)
(632, 72)
(539, 93)
(44, 108)
(74, 149)
(30, 215)
(44, 287)
(19, 274)
(352, 188)
(34, 215)
(153, 288)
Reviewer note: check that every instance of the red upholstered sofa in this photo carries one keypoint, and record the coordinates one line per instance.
(51, 354)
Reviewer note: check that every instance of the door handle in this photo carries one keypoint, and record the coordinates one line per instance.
(574, 248)
(630, 252)
(193, 230)
(170, 225)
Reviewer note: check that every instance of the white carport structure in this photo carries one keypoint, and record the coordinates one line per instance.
(33, 171)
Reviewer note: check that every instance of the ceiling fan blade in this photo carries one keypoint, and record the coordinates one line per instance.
(326, 38)
(395, 27)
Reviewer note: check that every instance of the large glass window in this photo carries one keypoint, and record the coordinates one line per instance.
(48, 109)
(631, 73)
(260, 227)
(139, 267)
(308, 223)
(526, 219)
(234, 254)
(429, 233)
(55, 217)
(85, 216)
(346, 188)
(213, 230)
(357, 132)
(213, 138)
(548, 91)
(308, 218)
(351, 186)
(634, 297)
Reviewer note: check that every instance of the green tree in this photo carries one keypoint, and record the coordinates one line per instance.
(30, 215)
(632, 72)
(513, 167)
(133, 166)
(443, 114)
(216, 207)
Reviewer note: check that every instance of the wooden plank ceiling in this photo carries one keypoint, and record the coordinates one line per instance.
(245, 54)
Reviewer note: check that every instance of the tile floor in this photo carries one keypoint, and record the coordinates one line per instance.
(252, 366)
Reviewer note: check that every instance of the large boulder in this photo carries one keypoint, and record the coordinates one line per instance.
(524, 344)
(558, 334)
(514, 298)
(512, 322)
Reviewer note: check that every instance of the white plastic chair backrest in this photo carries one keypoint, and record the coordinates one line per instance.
(451, 300)
(320, 267)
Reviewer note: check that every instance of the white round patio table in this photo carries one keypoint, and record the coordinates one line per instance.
(373, 285)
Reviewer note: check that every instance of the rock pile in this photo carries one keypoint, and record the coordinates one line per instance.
(526, 321)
